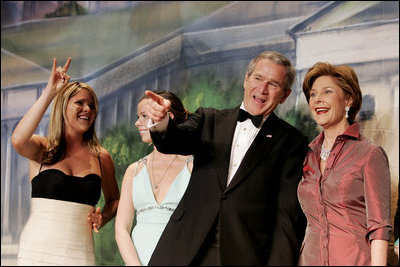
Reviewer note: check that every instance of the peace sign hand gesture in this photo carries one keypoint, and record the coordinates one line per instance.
(58, 77)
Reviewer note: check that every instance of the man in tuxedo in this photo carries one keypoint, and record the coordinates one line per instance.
(240, 207)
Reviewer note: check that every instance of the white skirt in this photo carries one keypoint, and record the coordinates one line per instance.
(57, 233)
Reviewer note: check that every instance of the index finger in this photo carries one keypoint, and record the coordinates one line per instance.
(165, 103)
(66, 66)
(159, 99)
(54, 65)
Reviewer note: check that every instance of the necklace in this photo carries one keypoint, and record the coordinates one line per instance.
(155, 185)
(324, 152)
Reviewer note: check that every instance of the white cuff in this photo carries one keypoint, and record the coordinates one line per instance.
(159, 126)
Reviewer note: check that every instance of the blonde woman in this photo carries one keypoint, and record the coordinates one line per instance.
(67, 169)
(151, 190)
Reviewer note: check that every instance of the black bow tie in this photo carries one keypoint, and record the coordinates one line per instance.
(256, 120)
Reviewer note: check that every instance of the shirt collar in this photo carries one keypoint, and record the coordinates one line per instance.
(264, 118)
(352, 132)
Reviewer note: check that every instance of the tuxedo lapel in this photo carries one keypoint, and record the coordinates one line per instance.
(258, 150)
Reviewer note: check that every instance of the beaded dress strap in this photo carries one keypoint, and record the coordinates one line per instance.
(140, 161)
(189, 159)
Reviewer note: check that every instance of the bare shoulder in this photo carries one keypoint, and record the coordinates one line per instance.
(105, 158)
(134, 169)
(130, 171)
(104, 154)
(107, 164)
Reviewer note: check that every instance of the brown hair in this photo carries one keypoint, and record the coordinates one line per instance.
(56, 139)
(177, 108)
(279, 59)
(345, 77)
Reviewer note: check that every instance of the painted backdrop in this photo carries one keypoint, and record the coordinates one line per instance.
(200, 51)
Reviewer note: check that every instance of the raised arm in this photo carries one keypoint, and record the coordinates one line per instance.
(23, 139)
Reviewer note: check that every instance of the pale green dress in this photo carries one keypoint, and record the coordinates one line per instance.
(152, 217)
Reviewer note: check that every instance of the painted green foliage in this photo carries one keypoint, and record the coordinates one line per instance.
(71, 8)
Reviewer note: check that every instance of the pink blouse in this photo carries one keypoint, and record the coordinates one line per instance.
(348, 206)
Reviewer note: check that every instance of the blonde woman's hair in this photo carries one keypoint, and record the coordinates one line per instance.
(56, 137)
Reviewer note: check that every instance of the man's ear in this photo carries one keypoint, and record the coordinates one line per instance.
(246, 77)
(285, 96)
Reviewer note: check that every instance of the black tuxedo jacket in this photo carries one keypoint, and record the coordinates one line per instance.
(261, 222)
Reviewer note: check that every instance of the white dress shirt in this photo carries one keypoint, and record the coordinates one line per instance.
(245, 133)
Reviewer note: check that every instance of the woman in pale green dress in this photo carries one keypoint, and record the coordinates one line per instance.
(151, 189)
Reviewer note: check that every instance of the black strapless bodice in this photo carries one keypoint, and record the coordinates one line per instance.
(55, 184)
